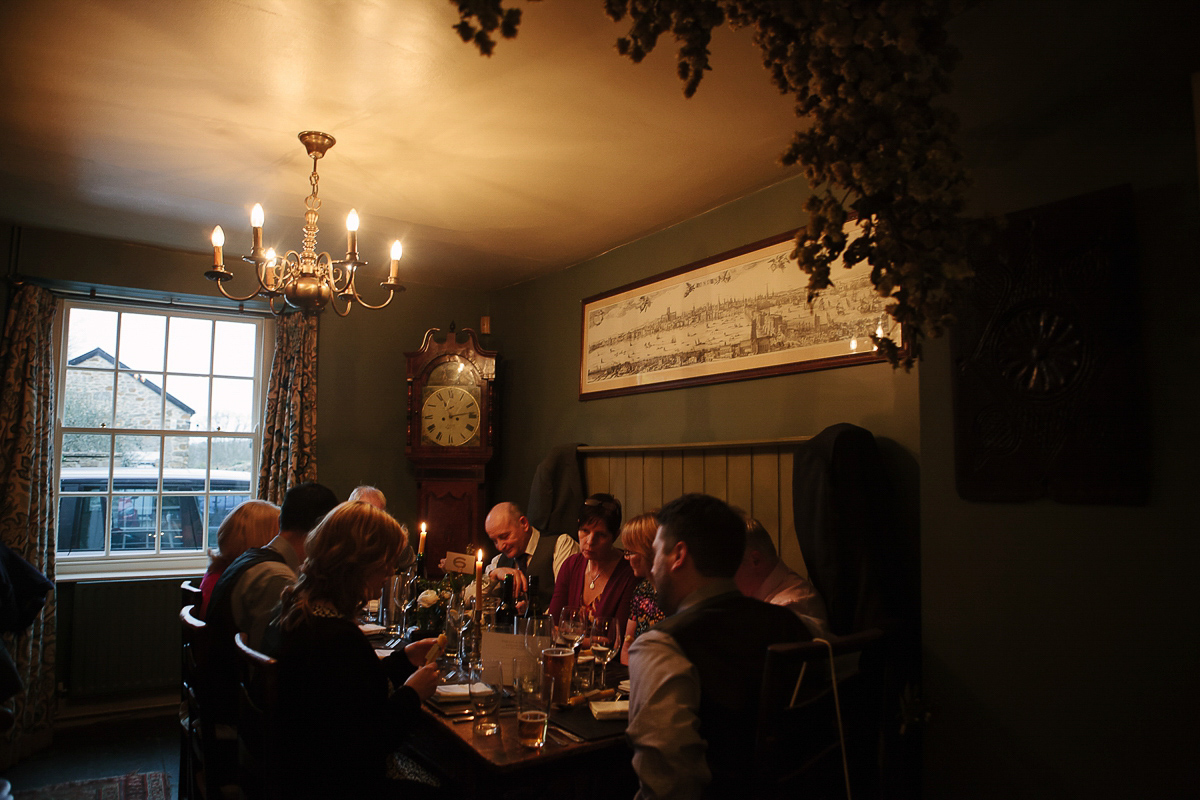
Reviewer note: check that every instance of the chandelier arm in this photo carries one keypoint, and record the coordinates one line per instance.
(235, 298)
(282, 305)
(350, 290)
(260, 271)
(336, 310)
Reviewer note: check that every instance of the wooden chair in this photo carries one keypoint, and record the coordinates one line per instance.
(190, 594)
(814, 734)
(259, 736)
(208, 751)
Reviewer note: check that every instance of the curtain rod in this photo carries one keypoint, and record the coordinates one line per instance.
(117, 296)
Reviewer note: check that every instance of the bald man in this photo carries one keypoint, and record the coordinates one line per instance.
(525, 552)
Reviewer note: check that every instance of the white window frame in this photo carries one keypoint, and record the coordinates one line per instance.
(94, 565)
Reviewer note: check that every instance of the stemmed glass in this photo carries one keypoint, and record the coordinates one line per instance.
(572, 626)
(604, 638)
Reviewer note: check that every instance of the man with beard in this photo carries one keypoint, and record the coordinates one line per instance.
(695, 676)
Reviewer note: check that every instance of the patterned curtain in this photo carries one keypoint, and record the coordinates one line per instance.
(289, 448)
(27, 504)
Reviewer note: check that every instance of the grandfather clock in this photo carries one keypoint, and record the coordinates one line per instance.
(450, 432)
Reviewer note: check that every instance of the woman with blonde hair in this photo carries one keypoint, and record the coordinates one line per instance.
(251, 524)
(637, 537)
(333, 687)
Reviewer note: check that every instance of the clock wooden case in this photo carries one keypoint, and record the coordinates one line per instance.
(451, 429)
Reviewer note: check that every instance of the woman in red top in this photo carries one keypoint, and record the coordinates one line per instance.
(598, 580)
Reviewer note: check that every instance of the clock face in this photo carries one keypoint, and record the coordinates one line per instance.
(450, 417)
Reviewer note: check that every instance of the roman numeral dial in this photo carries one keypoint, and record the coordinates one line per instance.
(450, 417)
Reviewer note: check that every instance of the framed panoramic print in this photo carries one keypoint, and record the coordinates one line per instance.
(742, 314)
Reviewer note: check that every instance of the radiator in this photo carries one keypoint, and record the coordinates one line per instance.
(125, 637)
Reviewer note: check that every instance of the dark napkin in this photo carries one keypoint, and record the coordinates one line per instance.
(580, 722)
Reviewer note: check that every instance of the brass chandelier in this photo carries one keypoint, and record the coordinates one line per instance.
(307, 280)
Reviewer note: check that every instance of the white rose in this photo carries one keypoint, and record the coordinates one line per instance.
(428, 598)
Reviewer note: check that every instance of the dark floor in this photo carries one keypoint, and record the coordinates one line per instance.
(104, 748)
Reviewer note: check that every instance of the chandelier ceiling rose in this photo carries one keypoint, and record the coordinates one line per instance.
(316, 143)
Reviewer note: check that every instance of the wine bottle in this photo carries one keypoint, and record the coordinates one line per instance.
(506, 612)
(531, 599)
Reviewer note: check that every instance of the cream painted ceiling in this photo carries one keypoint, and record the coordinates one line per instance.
(153, 121)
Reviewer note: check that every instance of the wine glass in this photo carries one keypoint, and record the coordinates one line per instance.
(487, 690)
(604, 638)
(572, 626)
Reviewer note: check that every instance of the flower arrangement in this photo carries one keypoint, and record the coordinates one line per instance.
(425, 614)
(863, 75)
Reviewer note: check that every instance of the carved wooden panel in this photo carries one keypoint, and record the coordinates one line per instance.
(1049, 392)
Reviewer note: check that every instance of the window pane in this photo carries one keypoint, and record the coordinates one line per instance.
(81, 524)
(183, 522)
(139, 401)
(189, 345)
(219, 507)
(143, 340)
(185, 452)
(91, 329)
(187, 403)
(235, 351)
(133, 520)
(233, 404)
(87, 398)
(232, 455)
(136, 460)
(86, 458)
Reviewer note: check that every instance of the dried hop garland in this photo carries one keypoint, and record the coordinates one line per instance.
(874, 147)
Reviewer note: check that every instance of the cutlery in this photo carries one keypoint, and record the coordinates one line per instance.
(566, 734)
(468, 717)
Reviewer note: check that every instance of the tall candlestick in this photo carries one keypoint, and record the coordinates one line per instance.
(421, 544)
(478, 587)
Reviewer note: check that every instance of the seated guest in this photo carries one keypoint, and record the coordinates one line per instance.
(764, 576)
(525, 552)
(333, 688)
(246, 597)
(695, 677)
(637, 538)
(252, 524)
(598, 580)
(373, 496)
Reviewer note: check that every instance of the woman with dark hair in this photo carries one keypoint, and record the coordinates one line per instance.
(333, 687)
(597, 580)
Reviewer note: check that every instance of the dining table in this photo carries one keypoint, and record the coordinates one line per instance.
(583, 758)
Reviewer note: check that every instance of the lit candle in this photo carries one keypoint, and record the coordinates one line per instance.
(351, 233)
(256, 226)
(478, 587)
(421, 544)
(397, 252)
(218, 242)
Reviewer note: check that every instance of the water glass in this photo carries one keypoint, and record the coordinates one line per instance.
(533, 705)
(487, 690)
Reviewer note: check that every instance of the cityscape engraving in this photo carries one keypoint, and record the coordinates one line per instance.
(746, 312)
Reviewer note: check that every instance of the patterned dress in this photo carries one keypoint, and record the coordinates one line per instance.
(643, 608)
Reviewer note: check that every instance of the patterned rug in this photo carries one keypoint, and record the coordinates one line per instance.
(135, 786)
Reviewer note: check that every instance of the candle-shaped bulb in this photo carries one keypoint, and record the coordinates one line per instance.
(397, 252)
(256, 223)
(271, 256)
(218, 241)
(256, 216)
(352, 220)
(352, 235)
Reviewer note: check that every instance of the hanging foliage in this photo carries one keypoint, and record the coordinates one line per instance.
(864, 75)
